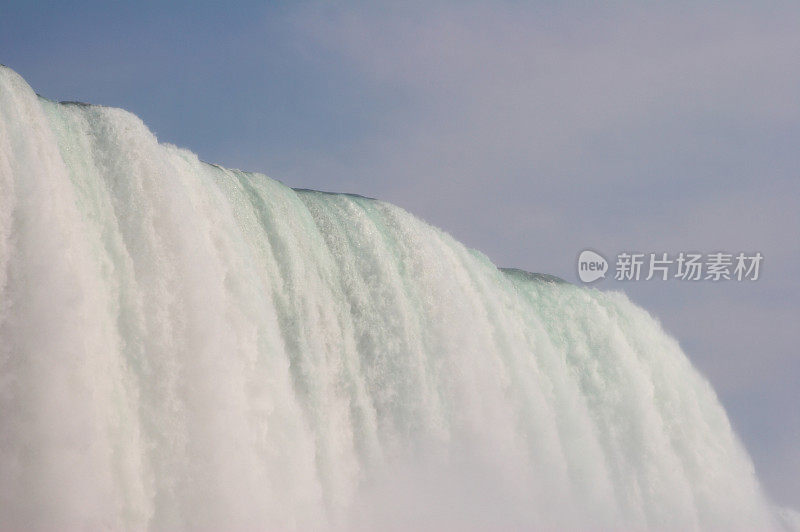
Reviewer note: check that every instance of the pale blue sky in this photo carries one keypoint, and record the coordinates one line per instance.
(529, 131)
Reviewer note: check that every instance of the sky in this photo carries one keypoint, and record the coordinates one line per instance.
(527, 130)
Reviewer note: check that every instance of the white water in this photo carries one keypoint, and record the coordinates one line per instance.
(188, 347)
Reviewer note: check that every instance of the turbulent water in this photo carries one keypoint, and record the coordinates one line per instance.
(184, 346)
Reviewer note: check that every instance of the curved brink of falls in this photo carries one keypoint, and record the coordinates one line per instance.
(184, 346)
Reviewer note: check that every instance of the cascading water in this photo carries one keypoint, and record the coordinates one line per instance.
(184, 346)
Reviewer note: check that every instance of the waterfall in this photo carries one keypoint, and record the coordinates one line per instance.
(184, 346)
